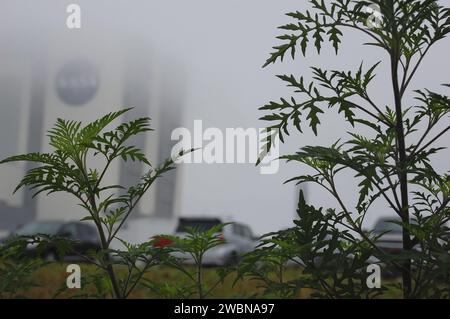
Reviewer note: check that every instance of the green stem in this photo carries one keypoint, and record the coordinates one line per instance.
(199, 278)
(402, 162)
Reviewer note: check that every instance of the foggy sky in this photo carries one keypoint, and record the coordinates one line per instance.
(220, 46)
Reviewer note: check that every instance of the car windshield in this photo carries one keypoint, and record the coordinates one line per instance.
(47, 228)
(199, 224)
(388, 225)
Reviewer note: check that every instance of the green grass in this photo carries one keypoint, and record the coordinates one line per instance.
(52, 277)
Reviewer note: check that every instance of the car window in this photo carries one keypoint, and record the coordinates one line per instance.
(248, 232)
(70, 230)
(236, 230)
(243, 231)
(239, 230)
(201, 224)
(46, 228)
(85, 231)
(387, 226)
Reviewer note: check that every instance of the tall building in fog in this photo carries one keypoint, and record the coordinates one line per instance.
(82, 76)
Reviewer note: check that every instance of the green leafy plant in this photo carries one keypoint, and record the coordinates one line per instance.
(15, 269)
(333, 262)
(194, 246)
(72, 168)
(393, 162)
(267, 266)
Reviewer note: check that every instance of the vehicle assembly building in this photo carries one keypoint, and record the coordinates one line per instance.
(48, 73)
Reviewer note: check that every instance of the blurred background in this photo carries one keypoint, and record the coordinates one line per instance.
(174, 61)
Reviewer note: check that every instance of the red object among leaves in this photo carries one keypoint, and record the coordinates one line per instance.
(161, 242)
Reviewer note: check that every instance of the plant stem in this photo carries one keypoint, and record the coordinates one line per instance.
(110, 269)
(395, 55)
(199, 277)
(105, 246)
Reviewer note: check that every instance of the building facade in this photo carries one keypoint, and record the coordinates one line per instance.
(82, 76)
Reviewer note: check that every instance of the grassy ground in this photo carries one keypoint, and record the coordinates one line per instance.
(50, 278)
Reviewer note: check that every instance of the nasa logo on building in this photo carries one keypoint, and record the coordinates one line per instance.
(77, 82)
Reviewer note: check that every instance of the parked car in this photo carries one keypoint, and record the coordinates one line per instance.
(391, 240)
(238, 240)
(84, 235)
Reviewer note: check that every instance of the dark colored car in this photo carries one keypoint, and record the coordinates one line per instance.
(237, 239)
(391, 240)
(85, 237)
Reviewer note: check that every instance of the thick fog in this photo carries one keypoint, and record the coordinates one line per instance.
(207, 56)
